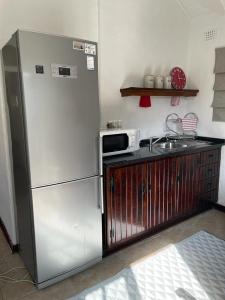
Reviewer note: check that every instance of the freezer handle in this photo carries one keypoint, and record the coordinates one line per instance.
(100, 156)
(101, 204)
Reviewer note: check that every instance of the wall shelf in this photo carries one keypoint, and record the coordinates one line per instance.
(138, 91)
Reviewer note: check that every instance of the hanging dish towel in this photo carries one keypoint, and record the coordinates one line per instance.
(145, 101)
(189, 124)
(175, 101)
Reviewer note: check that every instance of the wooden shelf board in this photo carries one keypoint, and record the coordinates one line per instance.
(138, 91)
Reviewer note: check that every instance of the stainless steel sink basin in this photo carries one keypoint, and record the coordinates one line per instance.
(171, 145)
(193, 143)
(179, 144)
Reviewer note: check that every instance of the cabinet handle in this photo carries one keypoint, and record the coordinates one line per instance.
(112, 233)
(112, 185)
(210, 170)
(143, 189)
(211, 155)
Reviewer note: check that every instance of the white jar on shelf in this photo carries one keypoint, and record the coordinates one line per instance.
(167, 82)
(149, 81)
(159, 82)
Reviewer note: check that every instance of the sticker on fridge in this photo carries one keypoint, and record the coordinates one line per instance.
(90, 49)
(90, 63)
(77, 45)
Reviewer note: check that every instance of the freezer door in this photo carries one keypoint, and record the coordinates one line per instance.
(61, 108)
(67, 225)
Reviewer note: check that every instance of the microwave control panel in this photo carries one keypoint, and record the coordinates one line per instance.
(132, 140)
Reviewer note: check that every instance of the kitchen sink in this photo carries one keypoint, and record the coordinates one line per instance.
(171, 145)
(193, 143)
(179, 144)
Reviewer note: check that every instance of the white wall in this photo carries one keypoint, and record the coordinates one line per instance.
(137, 38)
(201, 65)
(71, 17)
(78, 18)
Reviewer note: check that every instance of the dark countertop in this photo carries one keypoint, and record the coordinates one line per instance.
(143, 154)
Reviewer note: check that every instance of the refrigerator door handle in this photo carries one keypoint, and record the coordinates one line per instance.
(100, 155)
(101, 199)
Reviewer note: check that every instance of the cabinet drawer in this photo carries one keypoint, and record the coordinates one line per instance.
(211, 196)
(209, 184)
(209, 157)
(210, 170)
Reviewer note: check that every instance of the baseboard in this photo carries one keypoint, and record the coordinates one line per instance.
(219, 207)
(13, 247)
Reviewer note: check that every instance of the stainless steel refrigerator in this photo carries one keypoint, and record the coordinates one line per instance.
(52, 96)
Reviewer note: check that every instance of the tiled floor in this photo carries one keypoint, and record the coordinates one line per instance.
(212, 221)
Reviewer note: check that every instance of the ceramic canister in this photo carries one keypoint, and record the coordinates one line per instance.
(159, 82)
(149, 81)
(167, 82)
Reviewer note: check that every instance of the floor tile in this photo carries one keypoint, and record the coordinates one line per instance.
(59, 291)
(16, 291)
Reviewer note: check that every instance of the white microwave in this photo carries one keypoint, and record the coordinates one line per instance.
(118, 141)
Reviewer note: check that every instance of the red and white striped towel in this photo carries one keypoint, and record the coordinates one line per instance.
(189, 124)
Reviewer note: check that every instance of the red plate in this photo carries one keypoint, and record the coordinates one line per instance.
(178, 78)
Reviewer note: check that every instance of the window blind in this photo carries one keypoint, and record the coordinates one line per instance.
(220, 61)
(219, 86)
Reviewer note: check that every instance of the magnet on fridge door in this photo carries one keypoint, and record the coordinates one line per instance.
(90, 62)
(90, 49)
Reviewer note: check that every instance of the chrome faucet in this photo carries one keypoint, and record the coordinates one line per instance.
(151, 143)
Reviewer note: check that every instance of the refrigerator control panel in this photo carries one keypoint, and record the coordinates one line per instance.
(64, 71)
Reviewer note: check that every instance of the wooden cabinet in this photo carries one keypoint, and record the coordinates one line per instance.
(141, 198)
(126, 203)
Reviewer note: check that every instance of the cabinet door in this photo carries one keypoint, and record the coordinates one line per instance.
(173, 199)
(189, 183)
(163, 190)
(137, 202)
(173, 188)
(127, 203)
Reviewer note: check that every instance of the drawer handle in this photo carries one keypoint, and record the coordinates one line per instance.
(209, 185)
(211, 155)
(210, 170)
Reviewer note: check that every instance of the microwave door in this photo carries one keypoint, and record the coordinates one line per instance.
(115, 143)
